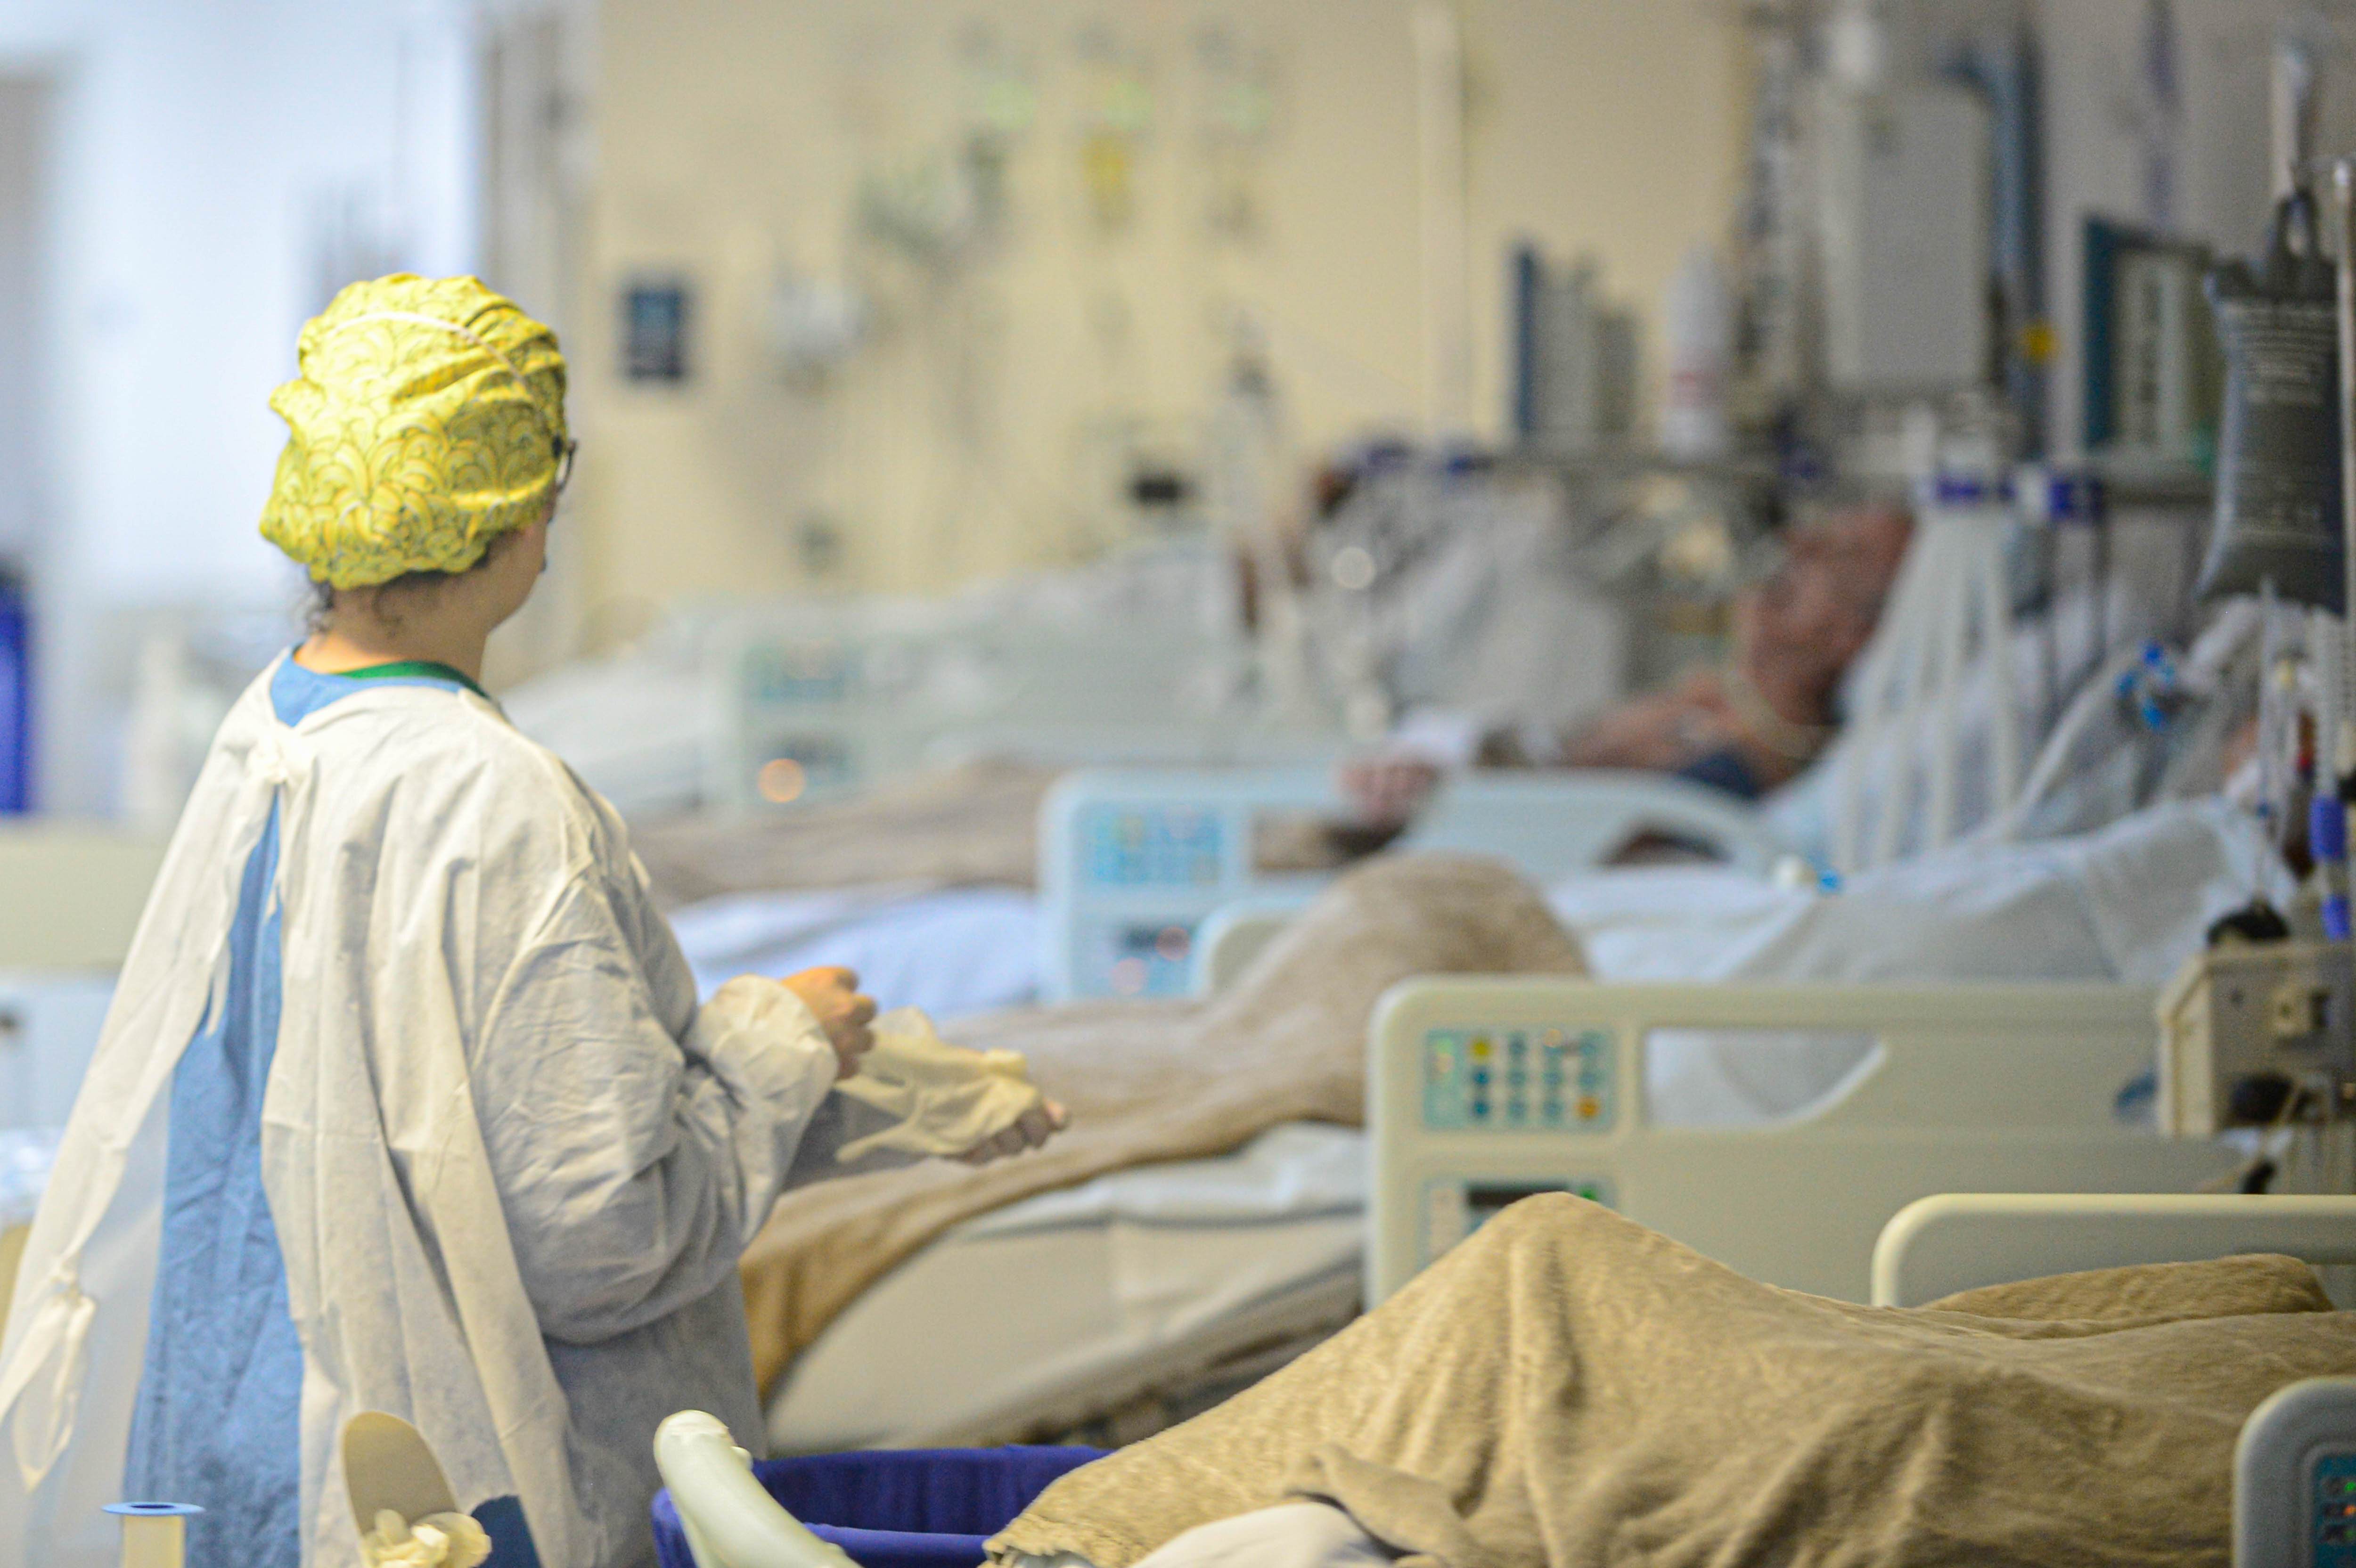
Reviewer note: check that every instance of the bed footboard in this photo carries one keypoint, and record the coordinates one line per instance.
(1133, 861)
(1484, 1090)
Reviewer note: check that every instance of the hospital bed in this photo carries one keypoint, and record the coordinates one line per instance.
(1150, 878)
(1132, 862)
(1175, 1284)
(1097, 1313)
(1859, 1096)
(2295, 1465)
(738, 705)
(865, 692)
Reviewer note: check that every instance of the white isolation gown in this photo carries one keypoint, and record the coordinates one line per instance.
(510, 1163)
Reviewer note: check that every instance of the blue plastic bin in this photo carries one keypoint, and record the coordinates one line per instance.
(898, 1507)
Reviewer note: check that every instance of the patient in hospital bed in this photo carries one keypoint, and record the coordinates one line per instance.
(1152, 1082)
(1744, 728)
(1568, 1388)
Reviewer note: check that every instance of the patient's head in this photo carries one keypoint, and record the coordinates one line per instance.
(1797, 631)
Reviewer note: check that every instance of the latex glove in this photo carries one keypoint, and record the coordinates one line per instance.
(437, 1541)
(945, 1100)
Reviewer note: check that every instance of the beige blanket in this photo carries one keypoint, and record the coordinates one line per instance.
(976, 823)
(1150, 1081)
(1567, 1388)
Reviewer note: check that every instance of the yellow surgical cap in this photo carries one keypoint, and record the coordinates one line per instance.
(427, 421)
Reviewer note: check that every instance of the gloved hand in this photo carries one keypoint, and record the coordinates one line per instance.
(437, 1541)
(1031, 1130)
(832, 994)
(969, 1104)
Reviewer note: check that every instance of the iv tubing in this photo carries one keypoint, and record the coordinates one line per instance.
(1952, 649)
(2273, 795)
(2006, 752)
(2343, 182)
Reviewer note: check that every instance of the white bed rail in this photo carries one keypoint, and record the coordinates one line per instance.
(1961, 1240)
(1131, 863)
(1966, 1088)
(730, 1518)
(1235, 933)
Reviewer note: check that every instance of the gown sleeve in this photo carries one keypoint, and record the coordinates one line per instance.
(637, 1142)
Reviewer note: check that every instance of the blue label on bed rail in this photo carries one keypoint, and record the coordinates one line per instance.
(1517, 1079)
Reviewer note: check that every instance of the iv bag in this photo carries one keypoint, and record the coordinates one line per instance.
(2278, 447)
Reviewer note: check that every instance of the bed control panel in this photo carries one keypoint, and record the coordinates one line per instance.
(1138, 848)
(2335, 1512)
(1518, 1080)
(1453, 1208)
(2295, 1478)
(790, 675)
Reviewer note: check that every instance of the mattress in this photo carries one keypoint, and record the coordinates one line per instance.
(1041, 1317)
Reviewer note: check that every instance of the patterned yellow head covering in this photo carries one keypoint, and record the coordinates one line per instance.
(428, 420)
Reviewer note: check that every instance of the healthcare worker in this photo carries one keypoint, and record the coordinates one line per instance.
(406, 1101)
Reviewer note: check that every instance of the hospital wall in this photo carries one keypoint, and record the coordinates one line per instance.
(981, 422)
(199, 162)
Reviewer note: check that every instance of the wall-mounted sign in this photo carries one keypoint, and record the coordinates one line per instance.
(654, 330)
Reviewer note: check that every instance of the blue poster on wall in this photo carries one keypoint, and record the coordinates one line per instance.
(15, 699)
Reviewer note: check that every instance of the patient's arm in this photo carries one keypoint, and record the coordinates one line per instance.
(1388, 790)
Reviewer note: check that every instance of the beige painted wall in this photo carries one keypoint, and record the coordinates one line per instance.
(733, 135)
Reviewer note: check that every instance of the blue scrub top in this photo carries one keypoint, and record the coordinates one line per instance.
(219, 1418)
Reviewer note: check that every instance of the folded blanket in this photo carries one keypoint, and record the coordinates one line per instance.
(1567, 1387)
(1152, 1082)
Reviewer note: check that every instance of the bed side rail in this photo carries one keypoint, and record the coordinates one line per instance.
(1958, 1088)
(728, 1518)
(1961, 1240)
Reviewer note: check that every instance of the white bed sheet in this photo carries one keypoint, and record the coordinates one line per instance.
(950, 951)
(2127, 903)
(1069, 1302)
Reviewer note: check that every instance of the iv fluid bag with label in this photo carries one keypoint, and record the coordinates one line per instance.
(2278, 448)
